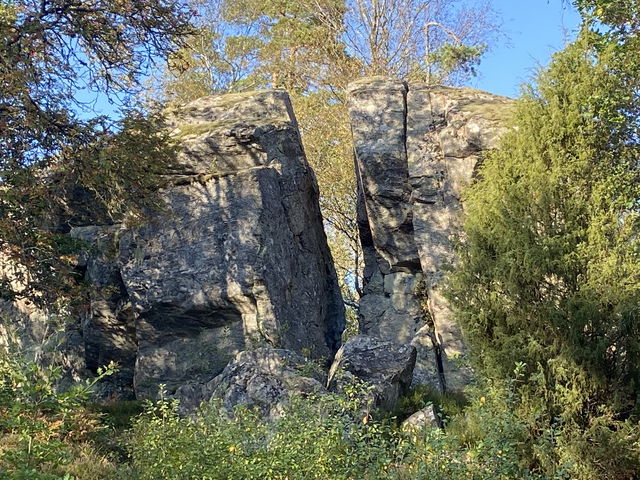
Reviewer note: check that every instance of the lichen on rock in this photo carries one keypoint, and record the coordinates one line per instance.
(238, 258)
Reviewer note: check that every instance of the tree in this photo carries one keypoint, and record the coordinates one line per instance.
(429, 41)
(325, 43)
(298, 43)
(50, 50)
(549, 272)
(621, 15)
(327, 141)
(215, 57)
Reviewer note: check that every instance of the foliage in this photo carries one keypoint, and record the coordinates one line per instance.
(215, 57)
(316, 45)
(44, 433)
(621, 15)
(297, 43)
(436, 41)
(486, 441)
(447, 405)
(49, 51)
(326, 136)
(93, 180)
(51, 435)
(549, 272)
(450, 58)
(322, 437)
(119, 414)
(316, 438)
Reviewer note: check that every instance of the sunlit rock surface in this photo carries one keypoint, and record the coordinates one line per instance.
(265, 379)
(416, 147)
(237, 260)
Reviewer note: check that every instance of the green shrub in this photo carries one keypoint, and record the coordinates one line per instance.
(46, 434)
(327, 437)
(548, 270)
(320, 437)
(447, 404)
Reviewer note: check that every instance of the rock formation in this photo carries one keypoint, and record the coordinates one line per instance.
(265, 379)
(236, 266)
(385, 366)
(415, 148)
(237, 260)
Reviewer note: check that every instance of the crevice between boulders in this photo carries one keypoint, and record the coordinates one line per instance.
(428, 314)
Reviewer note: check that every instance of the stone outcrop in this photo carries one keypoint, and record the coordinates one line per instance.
(385, 366)
(237, 260)
(264, 379)
(416, 147)
(108, 327)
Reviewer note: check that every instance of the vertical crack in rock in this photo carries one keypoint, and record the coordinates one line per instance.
(405, 119)
(423, 294)
(421, 142)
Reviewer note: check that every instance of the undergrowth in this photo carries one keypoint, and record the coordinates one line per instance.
(491, 434)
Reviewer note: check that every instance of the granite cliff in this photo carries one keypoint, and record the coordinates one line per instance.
(238, 259)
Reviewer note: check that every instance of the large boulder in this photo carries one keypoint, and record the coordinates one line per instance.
(264, 379)
(416, 147)
(238, 259)
(385, 366)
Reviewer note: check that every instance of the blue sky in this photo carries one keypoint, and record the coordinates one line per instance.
(533, 31)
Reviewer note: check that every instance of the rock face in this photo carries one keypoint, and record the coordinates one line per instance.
(108, 327)
(386, 366)
(30, 332)
(416, 147)
(238, 260)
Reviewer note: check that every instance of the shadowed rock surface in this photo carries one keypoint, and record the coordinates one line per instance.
(386, 366)
(416, 147)
(264, 379)
(237, 261)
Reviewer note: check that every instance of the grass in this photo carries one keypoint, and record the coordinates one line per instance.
(446, 404)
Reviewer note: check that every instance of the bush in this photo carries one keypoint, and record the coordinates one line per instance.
(319, 437)
(327, 437)
(548, 270)
(45, 434)
(49, 435)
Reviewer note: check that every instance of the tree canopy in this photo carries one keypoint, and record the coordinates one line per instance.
(49, 51)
